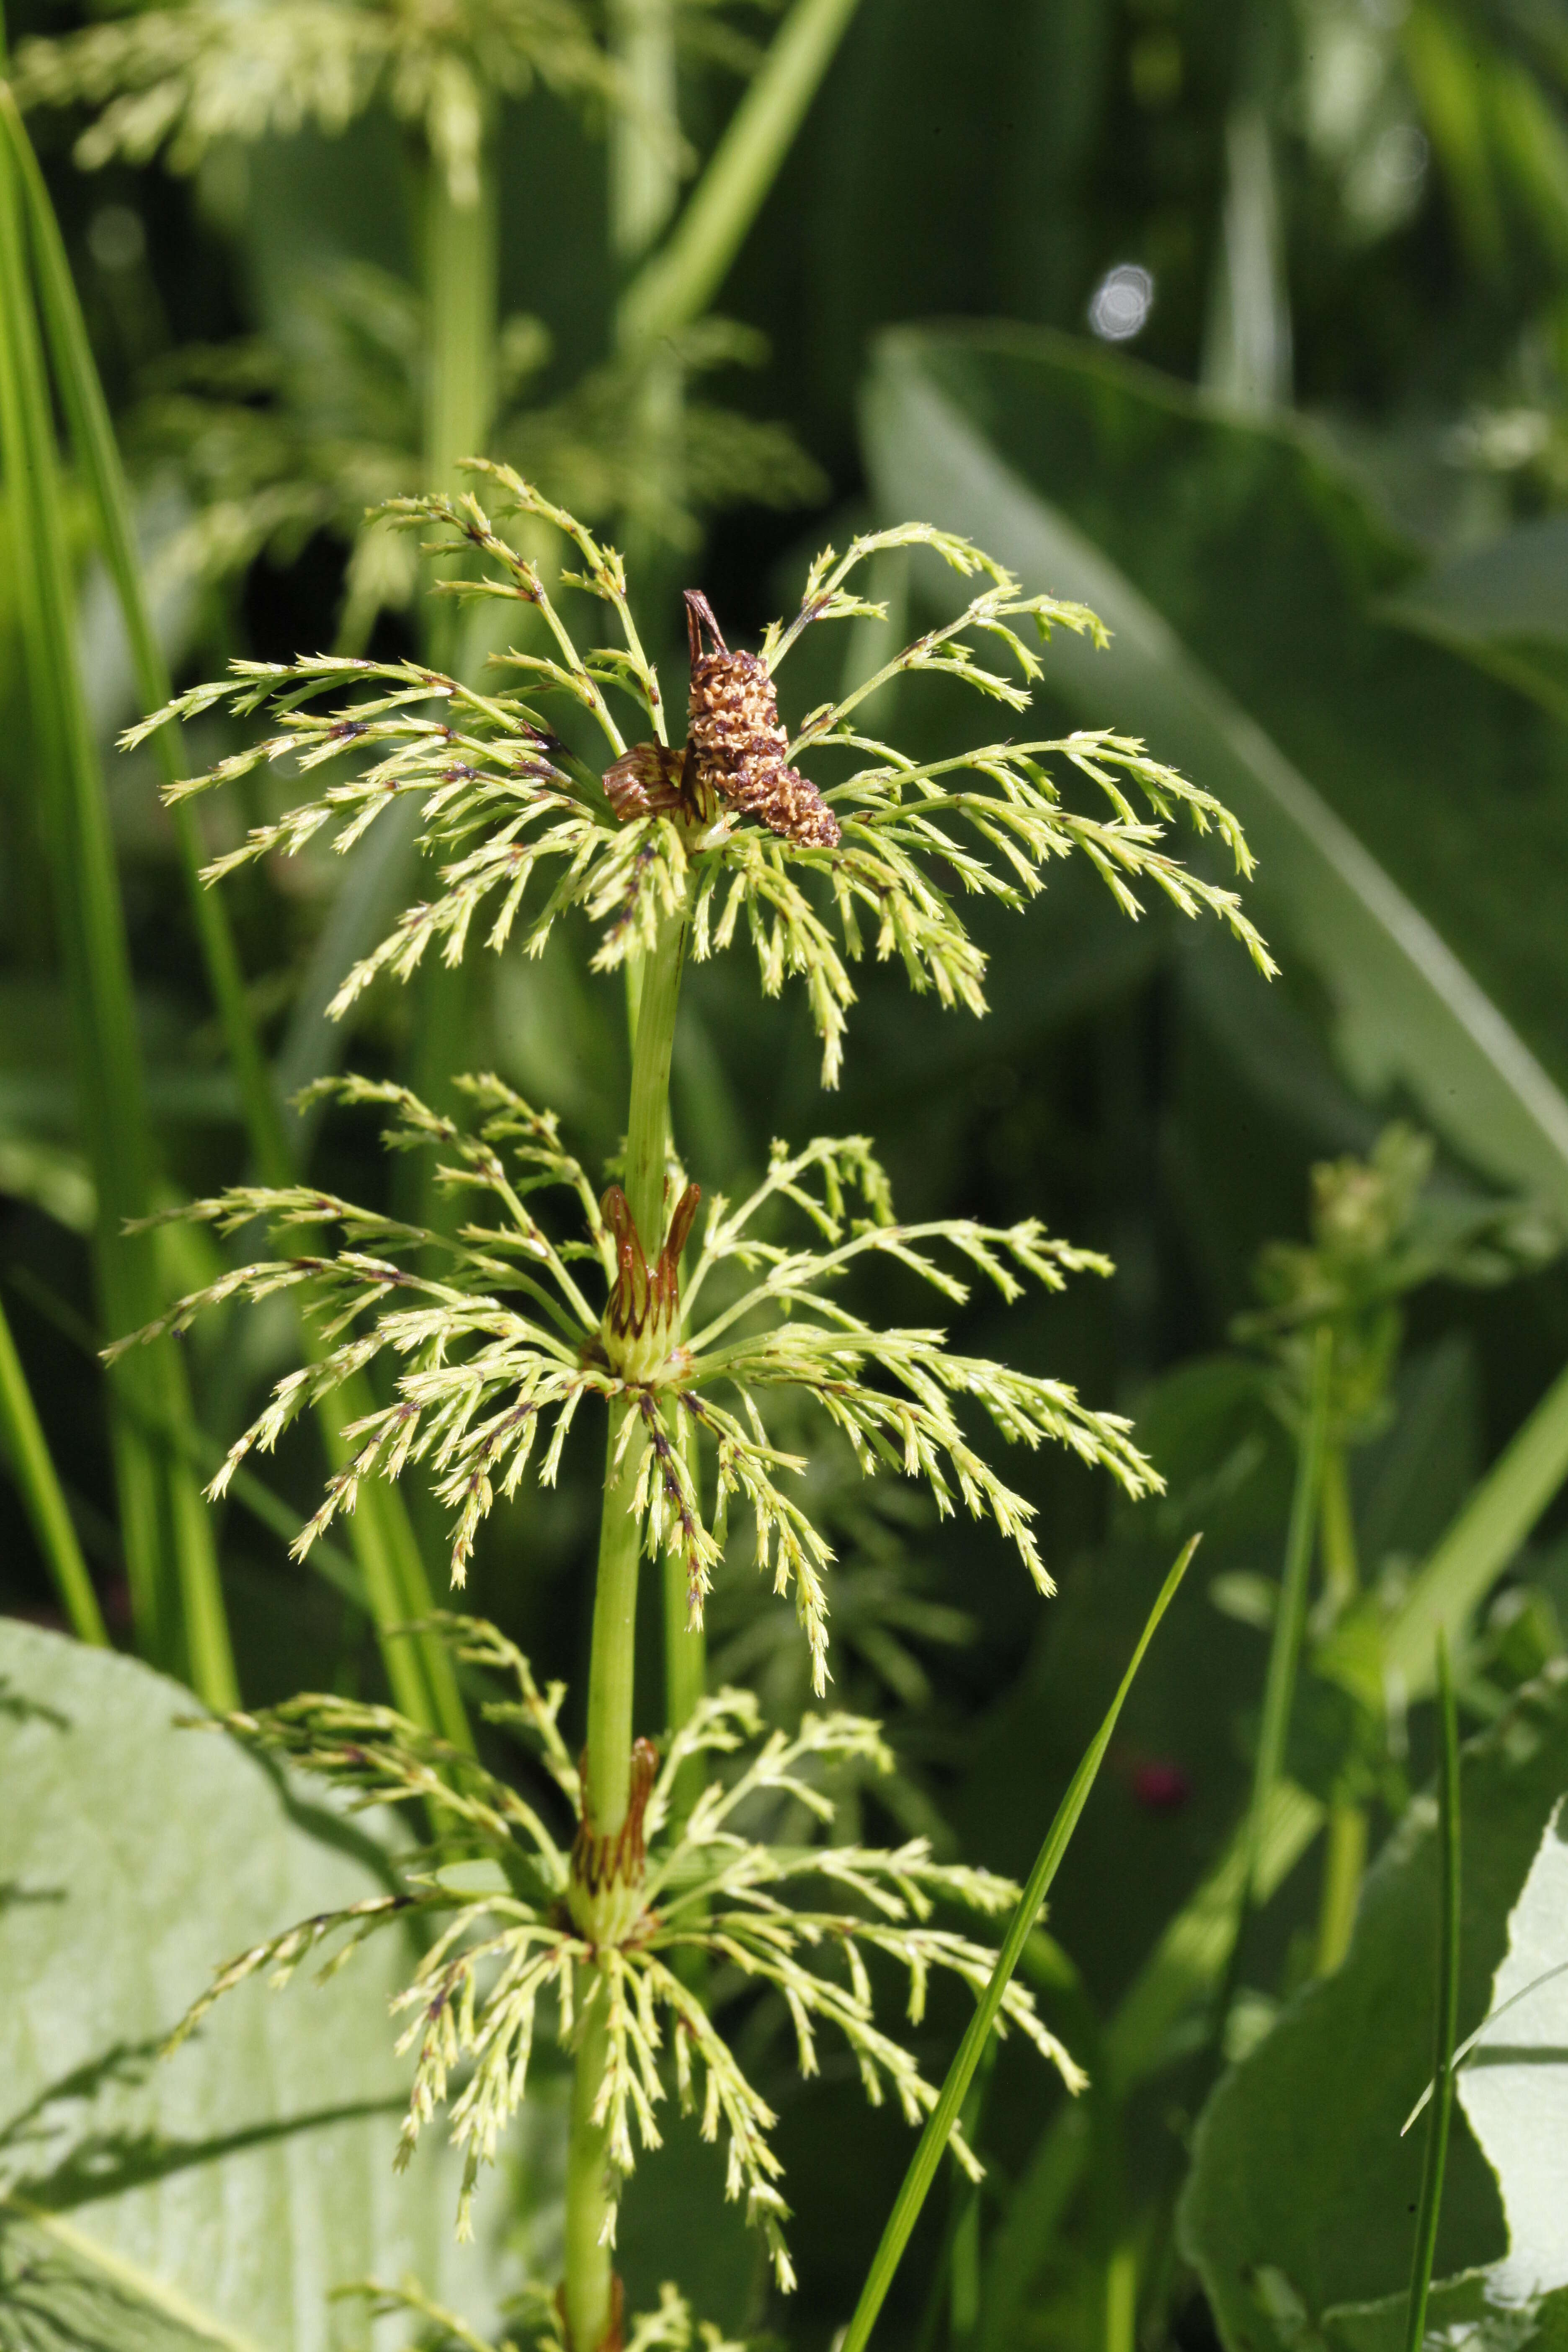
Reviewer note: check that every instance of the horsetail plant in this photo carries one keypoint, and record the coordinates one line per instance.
(601, 1891)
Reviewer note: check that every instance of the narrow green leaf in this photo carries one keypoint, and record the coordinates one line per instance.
(419, 1671)
(175, 1594)
(681, 279)
(1367, 1656)
(938, 2127)
(33, 1466)
(1446, 2026)
(92, 437)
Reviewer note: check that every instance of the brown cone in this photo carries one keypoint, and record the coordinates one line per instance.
(736, 749)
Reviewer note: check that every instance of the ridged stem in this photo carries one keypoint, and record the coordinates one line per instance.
(590, 2272)
(590, 2264)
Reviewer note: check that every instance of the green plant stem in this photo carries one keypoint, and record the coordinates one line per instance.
(1121, 2298)
(1344, 1850)
(33, 1466)
(611, 1662)
(590, 2281)
(1446, 2026)
(645, 128)
(1341, 1577)
(460, 234)
(460, 319)
(613, 1658)
(1285, 1649)
(648, 1122)
(676, 285)
(685, 1646)
(1344, 1865)
(590, 2266)
(939, 2126)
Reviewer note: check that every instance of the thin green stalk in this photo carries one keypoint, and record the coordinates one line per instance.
(685, 1646)
(1121, 2298)
(644, 144)
(645, 130)
(1446, 2028)
(1341, 1575)
(590, 2277)
(33, 1466)
(938, 2127)
(590, 2291)
(1176, 1982)
(615, 1603)
(613, 1657)
(676, 285)
(92, 438)
(176, 1595)
(1284, 1658)
(1344, 1866)
(459, 271)
(460, 318)
(1344, 1850)
(647, 1123)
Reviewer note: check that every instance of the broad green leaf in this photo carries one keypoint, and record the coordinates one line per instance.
(1227, 560)
(222, 2194)
(1301, 2191)
(1464, 2310)
(1514, 2084)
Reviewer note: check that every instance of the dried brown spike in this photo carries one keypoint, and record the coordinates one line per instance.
(735, 755)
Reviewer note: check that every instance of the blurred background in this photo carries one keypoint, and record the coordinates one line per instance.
(1247, 323)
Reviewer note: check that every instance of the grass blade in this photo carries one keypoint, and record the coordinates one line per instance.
(681, 279)
(176, 1595)
(1290, 1619)
(1180, 1976)
(92, 438)
(938, 2127)
(1483, 1538)
(418, 1670)
(1447, 2027)
(34, 1468)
